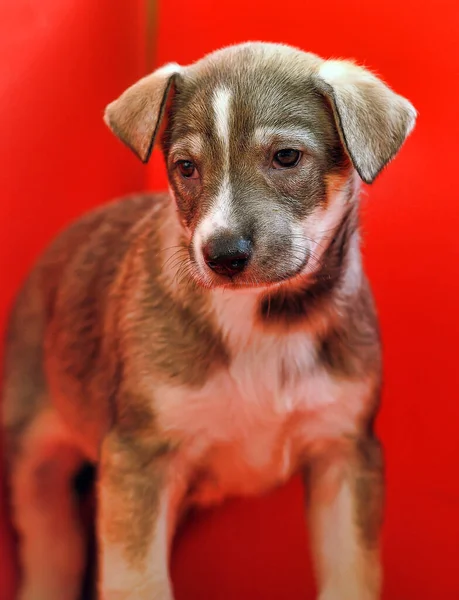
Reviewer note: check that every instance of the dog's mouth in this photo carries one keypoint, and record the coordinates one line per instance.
(253, 278)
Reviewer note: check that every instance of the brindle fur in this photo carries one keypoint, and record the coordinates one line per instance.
(116, 314)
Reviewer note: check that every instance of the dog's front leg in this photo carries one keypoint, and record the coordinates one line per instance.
(344, 488)
(139, 495)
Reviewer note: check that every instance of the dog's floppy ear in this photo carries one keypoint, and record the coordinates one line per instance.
(135, 117)
(372, 120)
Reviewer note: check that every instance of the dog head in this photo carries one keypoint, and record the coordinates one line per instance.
(262, 144)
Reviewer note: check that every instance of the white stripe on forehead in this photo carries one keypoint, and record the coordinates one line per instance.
(219, 216)
(221, 105)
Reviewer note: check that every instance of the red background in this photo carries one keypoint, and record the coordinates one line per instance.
(62, 61)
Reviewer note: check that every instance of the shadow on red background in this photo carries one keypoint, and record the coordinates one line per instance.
(66, 60)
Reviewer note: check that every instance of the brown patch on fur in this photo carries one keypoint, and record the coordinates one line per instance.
(133, 414)
(290, 307)
(351, 347)
(369, 490)
(132, 476)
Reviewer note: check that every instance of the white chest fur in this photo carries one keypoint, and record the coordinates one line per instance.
(246, 429)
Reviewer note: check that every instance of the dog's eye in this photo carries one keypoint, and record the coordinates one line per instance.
(286, 159)
(187, 169)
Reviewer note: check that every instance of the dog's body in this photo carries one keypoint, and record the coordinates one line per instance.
(217, 349)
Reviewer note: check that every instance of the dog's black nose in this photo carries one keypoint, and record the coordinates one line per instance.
(226, 254)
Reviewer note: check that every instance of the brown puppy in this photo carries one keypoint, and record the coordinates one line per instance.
(214, 341)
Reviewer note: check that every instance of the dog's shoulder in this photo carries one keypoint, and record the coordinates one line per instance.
(79, 277)
(103, 231)
(86, 254)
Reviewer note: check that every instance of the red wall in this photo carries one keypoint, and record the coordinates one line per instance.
(67, 59)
